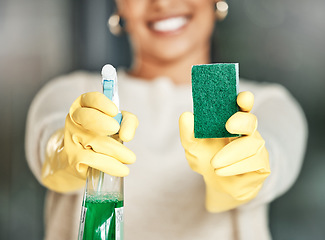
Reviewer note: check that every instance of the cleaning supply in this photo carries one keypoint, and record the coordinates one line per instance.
(233, 169)
(102, 209)
(102, 214)
(110, 87)
(214, 91)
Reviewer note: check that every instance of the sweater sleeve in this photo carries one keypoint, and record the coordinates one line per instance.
(283, 125)
(47, 114)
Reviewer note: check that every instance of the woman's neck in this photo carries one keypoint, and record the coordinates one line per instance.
(178, 70)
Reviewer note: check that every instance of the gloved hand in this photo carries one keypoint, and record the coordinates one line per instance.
(84, 143)
(233, 169)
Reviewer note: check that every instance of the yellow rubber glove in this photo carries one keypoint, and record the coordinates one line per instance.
(233, 169)
(84, 143)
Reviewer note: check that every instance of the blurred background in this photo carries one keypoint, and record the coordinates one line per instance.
(279, 41)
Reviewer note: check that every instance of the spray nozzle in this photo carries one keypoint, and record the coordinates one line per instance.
(110, 89)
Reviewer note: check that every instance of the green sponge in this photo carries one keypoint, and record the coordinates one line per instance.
(214, 91)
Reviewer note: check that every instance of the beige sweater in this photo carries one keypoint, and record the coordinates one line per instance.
(164, 198)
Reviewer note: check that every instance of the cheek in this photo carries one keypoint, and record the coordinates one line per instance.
(205, 20)
(137, 31)
(133, 13)
(200, 3)
(205, 13)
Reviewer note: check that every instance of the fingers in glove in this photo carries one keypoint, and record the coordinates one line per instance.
(128, 126)
(237, 150)
(110, 147)
(96, 121)
(102, 162)
(244, 187)
(186, 129)
(100, 102)
(242, 123)
(256, 163)
(245, 101)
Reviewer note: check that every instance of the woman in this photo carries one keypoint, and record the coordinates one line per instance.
(164, 197)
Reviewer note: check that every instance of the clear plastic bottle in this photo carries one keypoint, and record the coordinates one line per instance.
(102, 208)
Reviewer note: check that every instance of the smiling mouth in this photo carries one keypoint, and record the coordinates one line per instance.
(169, 25)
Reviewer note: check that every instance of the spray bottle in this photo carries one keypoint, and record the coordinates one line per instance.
(102, 208)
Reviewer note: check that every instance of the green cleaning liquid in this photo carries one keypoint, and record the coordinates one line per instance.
(102, 218)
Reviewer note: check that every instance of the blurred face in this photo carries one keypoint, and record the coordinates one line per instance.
(165, 30)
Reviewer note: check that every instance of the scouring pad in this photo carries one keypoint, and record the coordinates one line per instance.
(214, 91)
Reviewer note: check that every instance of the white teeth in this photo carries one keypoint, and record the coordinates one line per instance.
(170, 24)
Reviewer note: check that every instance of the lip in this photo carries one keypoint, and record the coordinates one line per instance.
(170, 25)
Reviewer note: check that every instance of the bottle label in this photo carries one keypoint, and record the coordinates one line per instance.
(119, 223)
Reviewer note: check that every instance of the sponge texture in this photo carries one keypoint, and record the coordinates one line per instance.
(214, 91)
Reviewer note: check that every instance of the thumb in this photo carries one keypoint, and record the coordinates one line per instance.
(245, 101)
(186, 128)
(128, 126)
